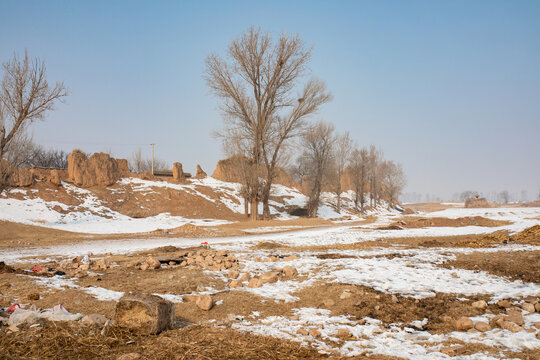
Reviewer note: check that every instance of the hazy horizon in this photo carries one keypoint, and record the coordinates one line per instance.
(451, 90)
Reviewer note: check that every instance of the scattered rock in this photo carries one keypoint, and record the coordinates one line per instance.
(314, 332)
(302, 331)
(291, 258)
(103, 264)
(395, 299)
(235, 284)
(329, 302)
(482, 326)
(446, 319)
(255, 283)
(464, 324)
(515, 316)
(504, 304)
(480, 304)
(145, 314)
(528, 307)
(289, 271)
(345, 294)
(537, 307)
(205, 302)
(511, 326)
(343, 333)
(152, 263)
(94, 320)
(269, 277)
(537, 324)
(233, 274)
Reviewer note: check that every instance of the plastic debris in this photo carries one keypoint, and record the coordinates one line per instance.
(37, 268)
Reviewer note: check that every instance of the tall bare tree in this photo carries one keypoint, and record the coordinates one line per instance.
(317, 142)
(359, 167)
(256, 85)
(139, 164)
(375, 158)
(25, 97)
(342, 152)
(392, 180)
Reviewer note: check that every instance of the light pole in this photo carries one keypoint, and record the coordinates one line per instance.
(152, 158)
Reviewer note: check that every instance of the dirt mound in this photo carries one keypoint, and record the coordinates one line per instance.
(476, 203)
(531, 234)
(98, 170)
(200, 173)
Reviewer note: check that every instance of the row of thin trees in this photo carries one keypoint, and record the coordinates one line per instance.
(267, 100)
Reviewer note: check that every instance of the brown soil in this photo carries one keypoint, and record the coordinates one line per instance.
(517, 265)
(411, 222)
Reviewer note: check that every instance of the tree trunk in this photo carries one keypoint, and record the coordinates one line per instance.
(254, 209)
(246, 206)
(339, 202)
(266, 199)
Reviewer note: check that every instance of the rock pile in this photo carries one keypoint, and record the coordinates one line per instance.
(204, 258)
(270, 277)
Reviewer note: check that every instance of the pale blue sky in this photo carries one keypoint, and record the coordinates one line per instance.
(451, 89)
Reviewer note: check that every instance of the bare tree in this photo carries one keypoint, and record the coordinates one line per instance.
(139, 164)
(359, 166)
(505, 196)
(468, 194)
(342, 152)
(256, 85)
(392, 181)
(318, 144)
(47, 158)
(374, 169)
(238, 149)
(24, 98)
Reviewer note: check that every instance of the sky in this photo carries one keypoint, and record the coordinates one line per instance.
(449, 89)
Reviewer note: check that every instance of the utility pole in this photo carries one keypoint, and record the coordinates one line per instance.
(152, 158)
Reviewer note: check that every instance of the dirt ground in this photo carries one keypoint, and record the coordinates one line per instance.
(517, 265)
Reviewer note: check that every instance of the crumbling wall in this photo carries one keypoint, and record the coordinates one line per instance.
(229, 170)
(476, 203)
(98, 170)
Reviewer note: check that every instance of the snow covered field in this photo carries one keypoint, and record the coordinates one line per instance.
(409, 273)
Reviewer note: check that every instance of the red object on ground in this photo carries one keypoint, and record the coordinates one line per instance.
(12, 308)
(37, 269)
(204, 244)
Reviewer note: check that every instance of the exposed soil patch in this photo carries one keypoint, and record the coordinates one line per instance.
(366, 302)
(517, 265)
(411, 222)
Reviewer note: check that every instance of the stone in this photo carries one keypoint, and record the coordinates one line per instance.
(463, 324)
(343, 333)
(329, 302)
(528, 307)
(314, 332)
(537, 324)
(480, 304)
(482, 326)
(129, 356)
(153, 263)
(97, 320)
(511, 326)
(302, 331)
(144, 314)
(395, 299)
(269, 277)
(504, 303)
(233, 274)
(235, 284)
(289, 271)
(345, 294)
(254, 283)
(84, 267)
(446, 319)
(515, 316)
(103, 264)
(537, 307)
(244, 277)
(144, 266)
(205, 302)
